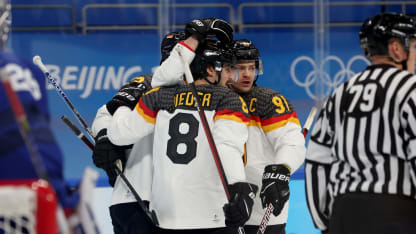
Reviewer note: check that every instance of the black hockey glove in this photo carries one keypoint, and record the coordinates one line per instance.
(209, 28)
(128, 95)
(106, 153)
(275, 187)
(238, 210)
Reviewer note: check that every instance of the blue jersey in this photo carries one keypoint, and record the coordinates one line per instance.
(15, 162)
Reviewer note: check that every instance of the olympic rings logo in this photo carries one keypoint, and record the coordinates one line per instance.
(319, 73)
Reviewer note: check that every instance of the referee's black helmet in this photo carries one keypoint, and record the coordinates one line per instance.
(376, 32)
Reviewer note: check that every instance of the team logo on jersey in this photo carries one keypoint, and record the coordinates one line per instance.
(330, 73)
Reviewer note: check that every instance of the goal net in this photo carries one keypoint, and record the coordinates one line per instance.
(27, 207)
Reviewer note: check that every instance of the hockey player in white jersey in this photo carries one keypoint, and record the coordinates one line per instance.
(187, 194)
(275, 146)
(126, 214)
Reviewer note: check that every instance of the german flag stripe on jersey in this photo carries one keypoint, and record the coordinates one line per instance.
(255, 121)
(145, 112)
(231, 115)
(274, 123)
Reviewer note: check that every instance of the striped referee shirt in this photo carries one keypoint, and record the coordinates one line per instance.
(364, 140)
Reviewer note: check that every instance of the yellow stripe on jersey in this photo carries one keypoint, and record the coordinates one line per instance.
(152, 90)
(281, 123)
(145, 113)
(254, 121)
(230, 117)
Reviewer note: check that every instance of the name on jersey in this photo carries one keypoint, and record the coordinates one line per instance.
(89, 78)
(187, 99)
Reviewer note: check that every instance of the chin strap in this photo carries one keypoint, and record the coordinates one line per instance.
(215, 82)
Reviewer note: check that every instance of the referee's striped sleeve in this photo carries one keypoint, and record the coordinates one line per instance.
(408, 115)
(317, 196)
(317, 167)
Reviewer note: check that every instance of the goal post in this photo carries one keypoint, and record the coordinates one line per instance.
(28, 206)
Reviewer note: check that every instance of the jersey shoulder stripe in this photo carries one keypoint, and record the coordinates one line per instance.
(231, 115)
(144, 111)
(255, 121)
(276, 122)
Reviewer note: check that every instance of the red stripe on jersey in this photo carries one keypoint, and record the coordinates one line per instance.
(255, 121)
(187, 46)
(145, 112)
(276, 122)
(233, 115)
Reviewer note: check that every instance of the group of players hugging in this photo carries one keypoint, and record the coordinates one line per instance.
(152, 125)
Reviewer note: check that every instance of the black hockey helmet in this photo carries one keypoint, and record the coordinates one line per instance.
(211, 53)
(244, 49)
(168, 42)
(376, 32)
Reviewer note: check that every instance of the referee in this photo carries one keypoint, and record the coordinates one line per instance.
(361, 162)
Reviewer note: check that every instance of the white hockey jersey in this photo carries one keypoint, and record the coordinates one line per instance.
(187, 192)
(274, 138)
(139, 166)
(274, 131)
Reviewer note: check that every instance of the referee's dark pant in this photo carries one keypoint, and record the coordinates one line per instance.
(360, 213)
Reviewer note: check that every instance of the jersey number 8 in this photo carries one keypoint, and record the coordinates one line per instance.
(183, 129)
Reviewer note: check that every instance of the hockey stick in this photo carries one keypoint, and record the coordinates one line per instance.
(269, 210)
(38, 61)
(202, 116)
(309, 121)
(78, 133)
(23, 125)
(25, 132)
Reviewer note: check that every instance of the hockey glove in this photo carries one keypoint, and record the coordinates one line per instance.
(106, 153)
(238, 210)
(275, 187)
(209, 28)
(128, 95)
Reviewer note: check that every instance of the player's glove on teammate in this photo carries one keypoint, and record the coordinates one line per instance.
(128, 95)
(238, 210)
(209, 28)
(275, 187)
(106, 153)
